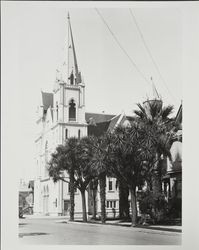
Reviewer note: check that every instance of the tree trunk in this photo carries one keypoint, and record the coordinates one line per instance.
(102, 183)
(123, 201)
(156, 183)
(72, 196)
(94, 185)
(133, 206)
(94, 203)
(156, 177)
(84, 206)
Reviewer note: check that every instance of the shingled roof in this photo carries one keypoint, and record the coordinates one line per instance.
(113, 122)
(97, 118)
(99, 128)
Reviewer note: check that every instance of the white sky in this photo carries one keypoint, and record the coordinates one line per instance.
(34, 35)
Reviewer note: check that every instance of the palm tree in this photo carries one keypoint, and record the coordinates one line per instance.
(75, 158)
(123, 199)
(156, 117)
(64, 160)
(93, 188)
(100, 169)
(83, 171)
(130, 154)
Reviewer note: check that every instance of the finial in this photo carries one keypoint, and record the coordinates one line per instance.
(68, 15)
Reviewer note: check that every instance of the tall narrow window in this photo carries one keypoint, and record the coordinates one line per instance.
(57, 110)
(71, 78)
(79, 134)
(110, 185)
(72, 111)
(66, 134)
(46, 159)
(116, 184)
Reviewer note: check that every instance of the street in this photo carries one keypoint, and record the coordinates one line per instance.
(56, 231)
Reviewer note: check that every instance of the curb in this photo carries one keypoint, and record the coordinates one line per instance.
(127, 226)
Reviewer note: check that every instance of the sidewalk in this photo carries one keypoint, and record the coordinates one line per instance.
(168, 228)
(171, 228)
(78, 219)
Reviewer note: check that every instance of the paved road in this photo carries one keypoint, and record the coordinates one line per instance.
(53, 231)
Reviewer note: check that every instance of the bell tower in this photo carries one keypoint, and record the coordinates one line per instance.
(69, 93)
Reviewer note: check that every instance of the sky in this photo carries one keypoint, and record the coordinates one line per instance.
(34, 42)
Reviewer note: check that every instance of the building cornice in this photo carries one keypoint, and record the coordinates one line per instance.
(73, 124)
(73, 87)
(45, 179)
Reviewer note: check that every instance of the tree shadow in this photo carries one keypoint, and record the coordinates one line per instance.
(21, 235)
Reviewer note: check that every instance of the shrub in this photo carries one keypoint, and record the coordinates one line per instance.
(154, 205)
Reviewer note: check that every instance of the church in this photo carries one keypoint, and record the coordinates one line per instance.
(61, 115)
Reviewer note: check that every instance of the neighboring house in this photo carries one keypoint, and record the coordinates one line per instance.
(173, 179)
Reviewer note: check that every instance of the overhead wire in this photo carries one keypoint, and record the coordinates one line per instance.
(150, 54)
(122, 48)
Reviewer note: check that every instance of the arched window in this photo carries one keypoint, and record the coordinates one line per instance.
(79, 134)
(57, 110)
(71, 78)
(72, 111)
(66, 134)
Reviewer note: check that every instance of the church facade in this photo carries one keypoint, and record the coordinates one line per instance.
(61, 115)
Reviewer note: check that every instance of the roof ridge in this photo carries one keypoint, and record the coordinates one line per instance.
(115, 116)
(98, 113)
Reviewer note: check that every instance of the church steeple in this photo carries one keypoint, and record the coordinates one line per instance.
(70, 92)
(74, 76)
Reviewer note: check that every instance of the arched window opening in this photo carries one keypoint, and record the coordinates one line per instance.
(71, 78)
(72, 111)
(79, 134)
(66, 134)
(57, 110)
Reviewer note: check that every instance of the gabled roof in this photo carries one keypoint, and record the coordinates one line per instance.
(98, 129)
(119, 120)
(47, 100)
(113, 122)
(97, 118)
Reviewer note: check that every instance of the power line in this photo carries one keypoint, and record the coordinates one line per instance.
(150, 54)
(122, 48)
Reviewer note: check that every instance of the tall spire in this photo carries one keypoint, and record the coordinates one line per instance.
(72, 59)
